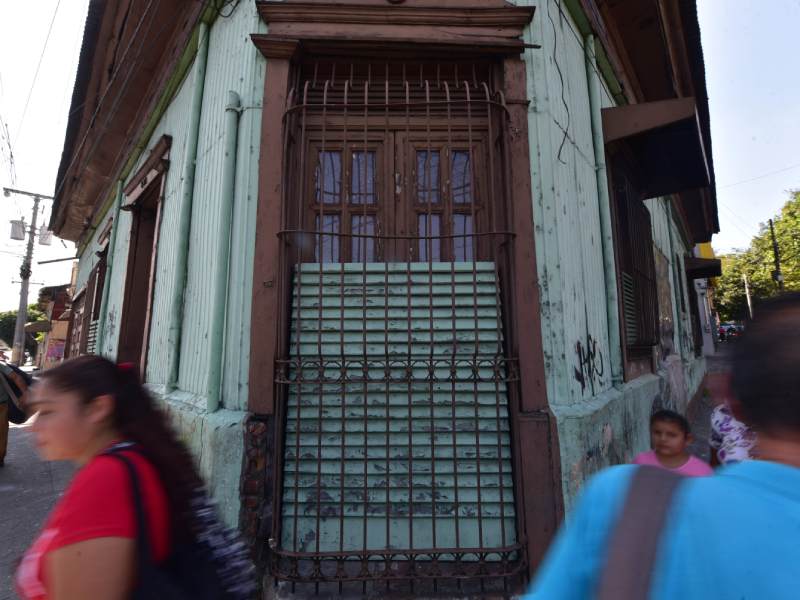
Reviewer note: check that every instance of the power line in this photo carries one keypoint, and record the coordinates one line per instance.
(762, 176)
(733, 222)
(36, 73)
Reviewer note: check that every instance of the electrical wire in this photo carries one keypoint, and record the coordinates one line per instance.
(36, 73)
(762, 176)
(564, 128)
(219, 7)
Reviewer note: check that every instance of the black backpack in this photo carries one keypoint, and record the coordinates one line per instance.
(15, 412)
(215, 565)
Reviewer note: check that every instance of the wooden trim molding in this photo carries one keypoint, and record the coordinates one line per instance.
(362, 13)
(465, 26)
(275, 46)
(156, 165)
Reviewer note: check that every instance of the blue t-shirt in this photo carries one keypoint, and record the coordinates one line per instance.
(733, 536)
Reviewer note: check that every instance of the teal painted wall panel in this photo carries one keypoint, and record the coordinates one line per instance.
(174, 123)
(234, 64)
(566, 215)
(397, 410)
(237, 350)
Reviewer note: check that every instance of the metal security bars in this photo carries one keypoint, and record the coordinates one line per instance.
(394, 385)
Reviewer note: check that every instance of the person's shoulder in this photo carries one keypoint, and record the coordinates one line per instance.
(609, 485)
(645, 458)
(102, 473)
(698, 467)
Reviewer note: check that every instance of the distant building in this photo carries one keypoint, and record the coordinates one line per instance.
(55, 302)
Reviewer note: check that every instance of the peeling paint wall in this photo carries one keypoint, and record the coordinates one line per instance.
(598, 424)
(566, 213)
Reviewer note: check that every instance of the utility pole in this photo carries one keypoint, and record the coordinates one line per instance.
(747, 293)
(776, 275)
(18, 350)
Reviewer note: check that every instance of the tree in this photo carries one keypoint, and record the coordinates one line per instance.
(8, 321)
(757, 262)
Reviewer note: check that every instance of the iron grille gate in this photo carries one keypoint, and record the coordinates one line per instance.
(396, 443)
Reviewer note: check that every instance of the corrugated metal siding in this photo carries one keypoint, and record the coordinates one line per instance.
(116, 285)
(233, 64)
(566, 215)
(422, 460)
(237, 350)
(173, 123)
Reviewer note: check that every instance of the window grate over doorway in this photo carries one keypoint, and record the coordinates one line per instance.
(397, 444)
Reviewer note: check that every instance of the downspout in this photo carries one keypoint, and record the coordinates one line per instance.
(185, 215)
(221, 260)
(112, 244)
(604, 207)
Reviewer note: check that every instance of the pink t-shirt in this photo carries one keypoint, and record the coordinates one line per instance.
(694, 467)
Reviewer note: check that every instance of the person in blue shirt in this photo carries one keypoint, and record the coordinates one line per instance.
(735, 535)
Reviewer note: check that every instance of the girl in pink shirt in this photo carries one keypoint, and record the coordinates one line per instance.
(669, 438)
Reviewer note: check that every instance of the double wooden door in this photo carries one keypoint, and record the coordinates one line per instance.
(396, 196)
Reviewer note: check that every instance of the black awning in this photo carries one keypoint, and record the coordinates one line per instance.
(665, 140)
(702, 268)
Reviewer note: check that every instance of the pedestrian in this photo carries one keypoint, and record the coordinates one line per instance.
(13, 389)
(5, 401)
(638, 532)
(135, 507)
(731, 441)
(669, 439)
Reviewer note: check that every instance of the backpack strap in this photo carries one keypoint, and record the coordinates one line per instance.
(144, 552)
(634, 541)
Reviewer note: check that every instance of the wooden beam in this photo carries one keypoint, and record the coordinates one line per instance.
(267, 296)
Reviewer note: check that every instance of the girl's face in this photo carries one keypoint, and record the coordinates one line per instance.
(64, 427)
(668, 439)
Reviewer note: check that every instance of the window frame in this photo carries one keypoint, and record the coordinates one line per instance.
(630, 215)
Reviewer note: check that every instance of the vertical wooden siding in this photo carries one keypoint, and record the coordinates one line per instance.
(567, 223)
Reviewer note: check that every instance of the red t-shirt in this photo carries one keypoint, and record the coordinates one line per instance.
(98, 503)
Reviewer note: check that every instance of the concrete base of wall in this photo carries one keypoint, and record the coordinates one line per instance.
(614, 426)
(609, 429)
(215, 440)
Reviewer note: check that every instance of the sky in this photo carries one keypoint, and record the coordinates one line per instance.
(751, 65)
(37, 133)
(751, 57)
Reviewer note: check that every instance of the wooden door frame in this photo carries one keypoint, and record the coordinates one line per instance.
(491, 28)
(148, 182)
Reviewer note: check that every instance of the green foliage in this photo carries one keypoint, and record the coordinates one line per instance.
(758, 264)
(8, 321)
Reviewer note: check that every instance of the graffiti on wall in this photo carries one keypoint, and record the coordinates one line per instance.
(591, 367)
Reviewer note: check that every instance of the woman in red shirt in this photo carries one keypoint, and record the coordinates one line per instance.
(87, 549)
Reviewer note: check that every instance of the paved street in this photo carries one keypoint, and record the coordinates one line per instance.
(28, 489)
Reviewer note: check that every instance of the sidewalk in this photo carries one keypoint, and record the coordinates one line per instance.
(699, 411)
(29, 488)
